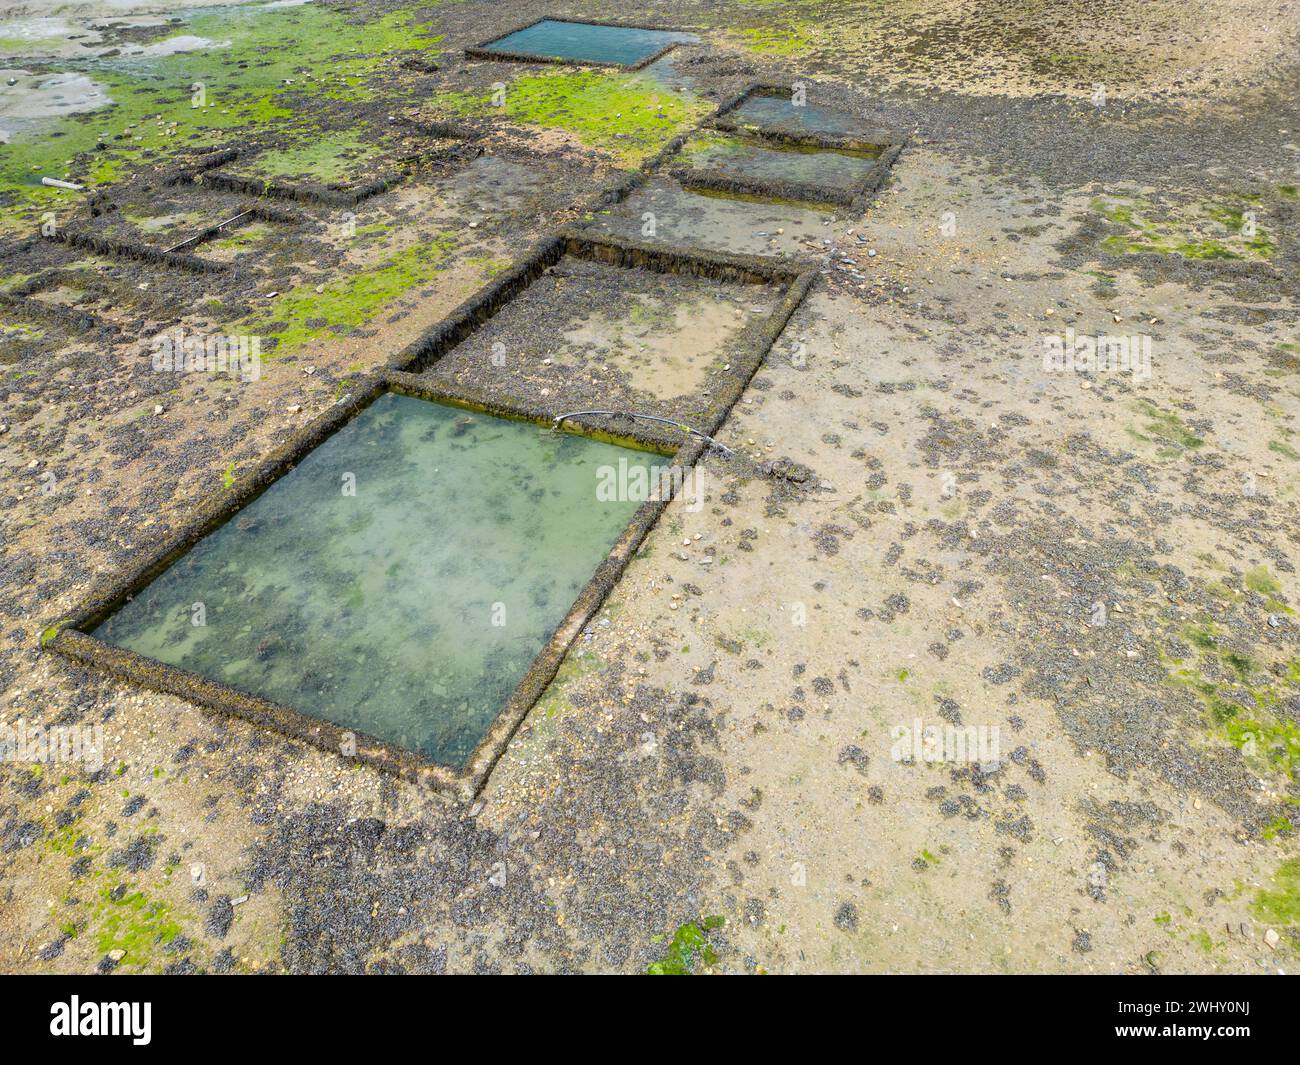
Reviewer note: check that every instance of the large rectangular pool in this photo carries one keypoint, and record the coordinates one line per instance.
(400, 580)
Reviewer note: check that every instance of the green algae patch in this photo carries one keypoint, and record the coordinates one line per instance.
(1279, 826)
(134, 923)
(1286, 359)
(628, 116)
(491, 265)
(304, 315)
(1275, 744)
(1260, 581)
(554, 701)
(1217, 230)
(796, 40)
(1167, 427)
(1280, 905)
(63, 841)
(689, 951)
(275, 78)
(333, 158)
(1243, 704)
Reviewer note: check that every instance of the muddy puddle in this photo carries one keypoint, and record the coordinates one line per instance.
(119, 291)
(33, 99)
(490, 186)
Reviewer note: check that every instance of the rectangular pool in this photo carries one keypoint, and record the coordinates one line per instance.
(743, 157)
(713, 220)
(400, 580)
(586, 42)
(782, 114)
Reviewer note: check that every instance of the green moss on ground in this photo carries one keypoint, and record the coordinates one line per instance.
(628, 116)
(1213, 230)
(334, 158)
(794, 38)
(269, 81)
(1244, 702)
(1166, 426)
(134, 923)
(1280, 905)
(689, 951)
(1260, 581)
(303, 314)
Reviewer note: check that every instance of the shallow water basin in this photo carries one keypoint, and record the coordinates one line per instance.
(750, 159)
(400, 580)
(781, 113)
(587, 42)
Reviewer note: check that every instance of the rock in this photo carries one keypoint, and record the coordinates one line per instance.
(1271, 939)
(366, 832)
(221, 915)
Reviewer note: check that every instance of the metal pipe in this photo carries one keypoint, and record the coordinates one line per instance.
(209, 231)
(555, 424)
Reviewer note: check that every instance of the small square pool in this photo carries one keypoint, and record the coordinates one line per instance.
(587, 42)
(400, 580)
(783, 114)
(840, 171)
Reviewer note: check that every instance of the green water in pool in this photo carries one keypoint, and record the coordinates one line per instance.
(781, 113)
(587, 41)
(400, 580)
(745, 157)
